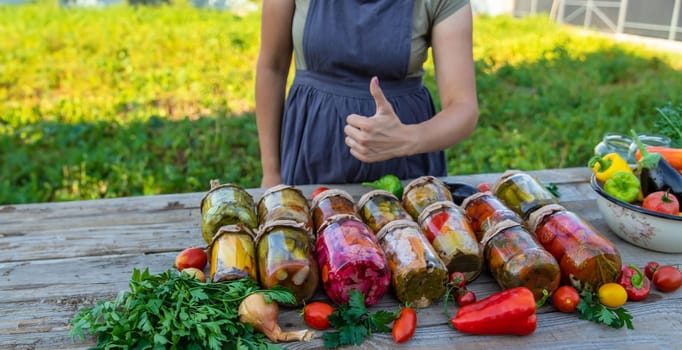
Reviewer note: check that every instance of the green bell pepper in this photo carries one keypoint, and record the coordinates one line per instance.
(388, 182)
(623, 185)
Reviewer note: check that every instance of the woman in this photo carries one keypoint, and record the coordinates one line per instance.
(357, 109)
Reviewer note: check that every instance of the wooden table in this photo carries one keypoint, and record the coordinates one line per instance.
(58, 257)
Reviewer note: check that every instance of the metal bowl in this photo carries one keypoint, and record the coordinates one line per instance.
(638, 226)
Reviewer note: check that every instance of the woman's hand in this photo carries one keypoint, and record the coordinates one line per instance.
(378, 137)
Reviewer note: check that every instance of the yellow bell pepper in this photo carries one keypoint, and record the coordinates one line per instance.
(604, 167)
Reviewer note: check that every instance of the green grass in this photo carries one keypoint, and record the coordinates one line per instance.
(169, 105)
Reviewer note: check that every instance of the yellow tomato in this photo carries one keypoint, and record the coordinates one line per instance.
(612, 295)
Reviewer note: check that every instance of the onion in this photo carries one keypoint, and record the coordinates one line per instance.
(262, 316)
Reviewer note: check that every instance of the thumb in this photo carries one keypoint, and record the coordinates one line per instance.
(382, 103)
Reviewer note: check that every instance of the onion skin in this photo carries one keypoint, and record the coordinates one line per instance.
(262, 316)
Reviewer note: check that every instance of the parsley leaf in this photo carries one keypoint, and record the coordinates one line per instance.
(592, 310)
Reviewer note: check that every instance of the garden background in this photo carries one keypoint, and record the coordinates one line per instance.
(126, 101)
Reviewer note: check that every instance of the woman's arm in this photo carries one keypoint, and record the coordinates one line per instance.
(272, 70)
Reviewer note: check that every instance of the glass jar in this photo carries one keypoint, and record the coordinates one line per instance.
(484, 208)
(378, 207)
(422, 192)
(614, 143)
(232, 254)
(515, 258)
(587, 258)
(647, 140)
(350, 257)
(285, 257)
(225, 205)
(284, 202)
(449, 232)
(522, 192)
(418, 275)
(329, 203)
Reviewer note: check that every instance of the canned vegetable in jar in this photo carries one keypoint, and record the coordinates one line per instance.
(225, 205)
(484, 208)
(329, 203)
(422, 192)
(378, 207)
(522, 192)
(232, 254)
(284, 202)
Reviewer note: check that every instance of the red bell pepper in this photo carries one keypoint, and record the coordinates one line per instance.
(636, 283)
(510, 311)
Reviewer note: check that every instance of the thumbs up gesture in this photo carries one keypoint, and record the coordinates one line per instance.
(378, 137)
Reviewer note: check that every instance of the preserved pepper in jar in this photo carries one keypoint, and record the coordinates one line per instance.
(378, 207)
(515, 258)
(232, 254)
(329, 203)
(448, 230)
(522, 192)
(349, 257)
(422, 192)
(285, 257)
(587, 258)
(284, 202)
(483, 208)
(225, 205)
(418, 275)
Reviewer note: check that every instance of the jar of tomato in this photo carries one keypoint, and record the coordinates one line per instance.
(329, 203)
(232, 254)
(284, 202)
(378, 207)
(515, 258)
(418, 275)
(225, 205)
(587, 258)
(522, 192)
(483, 209)
(449, 232)
(422, 192)
(285, 257)
(350, 257)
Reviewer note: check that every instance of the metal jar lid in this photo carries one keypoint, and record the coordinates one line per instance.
(436, 207)
(536, 217)
(396, 224)
(371, 194)
(334, 192)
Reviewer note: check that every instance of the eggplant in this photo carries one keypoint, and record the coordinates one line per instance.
(460, 191)
(655, 173)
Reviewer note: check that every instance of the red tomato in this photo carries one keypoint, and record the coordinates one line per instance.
(405, 325)
(191, 257)
(483, 186)
(662, 202)
(316, 314)
(318, 191)
(566, 299)
(457, 280)
(667, 278)
(650, 268)
(465, 297)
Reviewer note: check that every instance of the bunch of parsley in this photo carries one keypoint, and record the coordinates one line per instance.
(592, 310)
(670, 123)
(175, 311)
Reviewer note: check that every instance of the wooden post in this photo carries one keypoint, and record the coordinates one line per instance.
(588, 14)
(533, 6)
(560, 15)
(674, 20)
(622, 14)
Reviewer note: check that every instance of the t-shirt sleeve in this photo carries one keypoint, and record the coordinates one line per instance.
(442, 9)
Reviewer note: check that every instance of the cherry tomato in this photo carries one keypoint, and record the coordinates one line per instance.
(650, 268)
(566, 299)
(405, 325)
(465, 297)
(612, 295)
(316, 314)
(662, 202)
(483, 186)
(319, 190)
(457, 280)
(667, 278)
(191, 257)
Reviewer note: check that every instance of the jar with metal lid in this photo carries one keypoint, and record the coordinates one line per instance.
(285, 257)
(522, 192)
(225, 205)
(349, 257)
(378, 207)
(422, 192)
(484, 208)
(515, 258)
(587, 258)
(418, 275)
(232, 254)
(449, 232)
(332, 202)
(284, 202)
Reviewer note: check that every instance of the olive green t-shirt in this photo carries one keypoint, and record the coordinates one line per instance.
(426, 14)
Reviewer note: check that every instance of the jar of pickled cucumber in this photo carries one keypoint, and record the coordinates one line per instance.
(225, 205)
(232, 254)
(285, 257)
(418, 275)
(329, 203)
(587, 258)
(350, 257)
(378, 207)
(284, 202)
(515, 258)
(448, 231)
(483, 208)
(422, 192)
(522, 192)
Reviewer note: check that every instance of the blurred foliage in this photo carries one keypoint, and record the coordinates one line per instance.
(126, 101)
